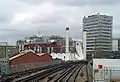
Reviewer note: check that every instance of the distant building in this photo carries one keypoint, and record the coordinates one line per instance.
(3, 50)
(44, 44)
(116, 44)
(58, 39)
(18, 42)
(4, 65)
(12, 50)
(113, 54)
(44, 47)
(99, 33)
(8, 51)
(4, 62)
(61, 41)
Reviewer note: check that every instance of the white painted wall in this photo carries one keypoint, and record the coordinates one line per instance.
(70, 56)
(115, 45)
(107, 62)
(84, 44)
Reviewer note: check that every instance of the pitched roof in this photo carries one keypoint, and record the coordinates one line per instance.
(21, 53)
(40, 54)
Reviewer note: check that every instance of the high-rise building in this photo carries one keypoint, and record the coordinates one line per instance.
(99, 33)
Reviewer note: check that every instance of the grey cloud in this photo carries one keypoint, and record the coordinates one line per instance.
(7, 30)
(34, 2)
(65, 14)
(50, 19)
(8, 8)
(87, 2)
(5, 18)
(116, 32)
(14, 34)
(75, 2)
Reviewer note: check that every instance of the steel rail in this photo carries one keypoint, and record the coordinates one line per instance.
(63, 75)
(75, 74)
(42, 75)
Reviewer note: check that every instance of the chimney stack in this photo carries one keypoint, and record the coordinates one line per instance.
(67, 39)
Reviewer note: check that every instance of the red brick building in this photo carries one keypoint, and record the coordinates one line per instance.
(28, 59)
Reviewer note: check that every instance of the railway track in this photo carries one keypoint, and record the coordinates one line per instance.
(37, 76)
(12, 76)
(70, 75)
(67, 75)
(64, 72)
(74, 74)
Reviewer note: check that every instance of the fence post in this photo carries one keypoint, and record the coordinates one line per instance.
(110, 74)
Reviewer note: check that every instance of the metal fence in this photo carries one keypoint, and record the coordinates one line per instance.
(106, 75)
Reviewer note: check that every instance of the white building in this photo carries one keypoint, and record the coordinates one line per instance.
(116, 44)
(79, 55)
(99, 33)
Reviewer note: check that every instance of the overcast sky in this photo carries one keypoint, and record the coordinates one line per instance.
(20, 18)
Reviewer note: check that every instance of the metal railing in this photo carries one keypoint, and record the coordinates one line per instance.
(106, 75)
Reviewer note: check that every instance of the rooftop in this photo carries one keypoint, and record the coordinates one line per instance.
(24, 52)
(98, 14)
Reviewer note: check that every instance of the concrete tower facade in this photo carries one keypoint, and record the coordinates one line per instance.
(99, 33)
